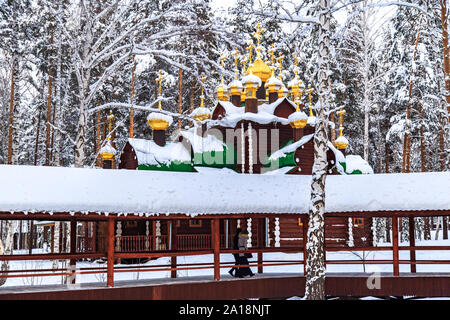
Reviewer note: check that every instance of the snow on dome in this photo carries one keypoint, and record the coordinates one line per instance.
(251, 78)
(58, 189)
(342, 140)
(108, 148)
(355, 163)
(148, 152)
(235, 84)
(200, 111)
(295, 116)
(273, 80)
(158, 115)
(312, 120)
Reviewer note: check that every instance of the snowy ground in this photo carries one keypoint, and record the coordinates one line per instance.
(374, 255)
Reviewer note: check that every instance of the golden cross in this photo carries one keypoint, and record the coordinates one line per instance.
(236, 71)
(110, 118)
(250, 47)
(310, 91)
(280, 61)
(202, 97)
(159, 81)
(244, 62)
(271, 51)
(258, 33)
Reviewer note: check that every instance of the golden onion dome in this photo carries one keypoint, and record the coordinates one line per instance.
(261, 69)
(159, 121)
(235, 87)
(341, 143)
(222, 92)
(107, 152)
(298, 119)
(201, 114)
(283, 92)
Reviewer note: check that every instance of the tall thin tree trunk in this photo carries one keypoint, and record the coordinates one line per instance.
(11, 115)
(49, 108)
(180, 96)
(407, 137)
(133, 69)
(315, 265)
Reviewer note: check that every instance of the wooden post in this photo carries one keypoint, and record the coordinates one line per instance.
(395, 245)
(110, 254)
(73, 247)
(261, 242)
(215, 244)
(94, 236)
(412, 243)
(305, 241)
(52, 246)
(154, 235)
(30, 237)
(173, 259)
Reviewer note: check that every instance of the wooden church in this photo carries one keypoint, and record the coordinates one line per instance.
(258, 126)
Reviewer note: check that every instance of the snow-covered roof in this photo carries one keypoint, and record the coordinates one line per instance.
(148, 152)
(201, 144)
(56, 189)
(235, 114)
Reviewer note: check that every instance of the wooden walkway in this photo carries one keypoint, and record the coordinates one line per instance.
(267, 285)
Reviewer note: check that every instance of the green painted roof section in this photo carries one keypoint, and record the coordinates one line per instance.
(286, 160)
(173, 166)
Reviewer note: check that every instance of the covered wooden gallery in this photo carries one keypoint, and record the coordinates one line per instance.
(166, 201)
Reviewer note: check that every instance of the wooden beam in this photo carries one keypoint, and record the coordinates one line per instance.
(173, 259)
(215, 239)
(395, 255)
(110, 254)
(305, 241)
(412, 243)
(73, 248)
(261, 242)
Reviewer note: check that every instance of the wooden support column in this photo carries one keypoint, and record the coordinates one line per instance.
(395, 255)
(73, 247)
(412, 243)
(261, 241)
(30, 237)
(305, 221)
(52, 243)
(110, 254)
(173, 259)
(215, 244)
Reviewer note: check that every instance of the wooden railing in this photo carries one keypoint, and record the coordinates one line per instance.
(141, 243)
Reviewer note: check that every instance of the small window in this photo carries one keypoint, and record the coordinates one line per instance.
(194, 223)
(358, 222)
(300, 222)
(178, 223)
